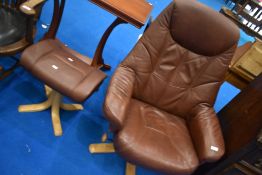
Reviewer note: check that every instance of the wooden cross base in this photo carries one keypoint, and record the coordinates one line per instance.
(109, 148)
(54, 101)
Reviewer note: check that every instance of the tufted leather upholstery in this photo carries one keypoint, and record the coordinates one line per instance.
(13, 26)
(160, 99)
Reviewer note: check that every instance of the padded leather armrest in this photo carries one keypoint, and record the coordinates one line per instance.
(207, 135)
(28, 6)
(118, 96)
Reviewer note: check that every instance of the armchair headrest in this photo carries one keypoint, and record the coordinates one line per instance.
(200, 29)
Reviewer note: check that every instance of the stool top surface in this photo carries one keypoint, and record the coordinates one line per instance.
(62, 69)
(134, 12)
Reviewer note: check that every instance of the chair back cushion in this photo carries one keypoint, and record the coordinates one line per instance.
(12, 26)
(12, 3)
(182, 58)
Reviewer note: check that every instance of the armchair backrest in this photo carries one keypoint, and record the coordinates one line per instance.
(181, 60)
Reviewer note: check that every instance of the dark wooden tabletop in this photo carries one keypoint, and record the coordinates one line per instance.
(134, 12)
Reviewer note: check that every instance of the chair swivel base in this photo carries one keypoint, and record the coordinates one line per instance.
(54, 101)
(109, 148)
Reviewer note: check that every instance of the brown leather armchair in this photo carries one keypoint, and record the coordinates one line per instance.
(160, 99)
(17, 29)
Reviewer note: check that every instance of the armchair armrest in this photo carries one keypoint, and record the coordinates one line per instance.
(118, 96)
(206, 133)
(28, 6)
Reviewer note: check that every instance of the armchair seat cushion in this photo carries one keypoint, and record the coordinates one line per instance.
(62, 69)
(12, 26)
(156, 139)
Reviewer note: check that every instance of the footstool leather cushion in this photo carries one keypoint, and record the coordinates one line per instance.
(63, 69)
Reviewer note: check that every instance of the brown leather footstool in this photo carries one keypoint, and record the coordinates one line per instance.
(64, 71)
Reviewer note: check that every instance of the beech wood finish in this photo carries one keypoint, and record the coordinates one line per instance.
(13, 6)
(246, 64)
(54, 101)
(109, 148)
(134, 12)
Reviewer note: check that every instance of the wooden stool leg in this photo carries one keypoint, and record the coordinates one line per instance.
(48, 90)
(71, 107)
(53, 101)
(55, 115)
(37, 107)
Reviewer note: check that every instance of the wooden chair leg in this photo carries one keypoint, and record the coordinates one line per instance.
(54, 101)
(104, 137)
(101, 148)
(109, 148)
(130, 169)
